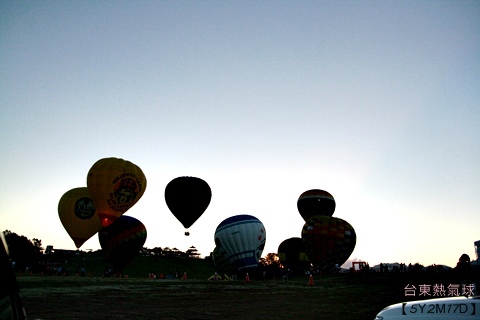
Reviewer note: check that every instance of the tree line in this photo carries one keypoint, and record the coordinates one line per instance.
(25, 254)
(23, 251)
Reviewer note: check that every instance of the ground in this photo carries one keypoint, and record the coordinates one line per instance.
(331, 297)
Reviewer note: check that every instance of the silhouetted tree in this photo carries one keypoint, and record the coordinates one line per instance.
(157, 251)
(464, 270)
(270, 259)
(271, 265)
(192, 252)
(145, 251)
(37, 243)
(167, 252)
(23, 252)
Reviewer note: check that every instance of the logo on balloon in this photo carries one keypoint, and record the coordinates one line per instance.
(127, 187)
(84, 208)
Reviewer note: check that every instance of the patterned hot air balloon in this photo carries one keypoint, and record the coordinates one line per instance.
(187, 198)
(114, 185)
(122, 241)
(242, 239)
(315, 202)
(328, 241)
(78, 216)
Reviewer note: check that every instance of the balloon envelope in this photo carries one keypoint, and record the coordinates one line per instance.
(78, 216)
(291, 253)
(328, 241)
(219, 258)
(242, 238)
(187, 198)
(315, 202)
(114, 185)
(122, 240)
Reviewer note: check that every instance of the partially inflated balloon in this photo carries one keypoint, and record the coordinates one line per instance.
(328, 241)
(115, 185)
(242, 238)
(315, 202)
(292, 253)
(220, 260)
(78, 216)
(187, 198)
(122, 240)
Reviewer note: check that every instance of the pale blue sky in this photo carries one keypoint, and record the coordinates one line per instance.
(377, 102)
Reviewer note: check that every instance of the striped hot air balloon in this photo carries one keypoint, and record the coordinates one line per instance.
(242, 239)
(122, 241)
(315, 202)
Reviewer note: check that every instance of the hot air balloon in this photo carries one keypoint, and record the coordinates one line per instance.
(78, 215)
(187, 198)
(122, 240)
(242, 238)
(315, 202)
(292, 254)
(114, 185)
(328, 241)
(219, 258)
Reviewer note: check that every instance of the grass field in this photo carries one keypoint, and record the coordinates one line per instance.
(331, 297)
(342, 296)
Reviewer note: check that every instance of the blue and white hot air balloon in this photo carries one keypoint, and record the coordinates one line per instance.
(242, 239)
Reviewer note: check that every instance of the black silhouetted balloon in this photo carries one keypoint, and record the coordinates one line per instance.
(292, 253)
(122, 241)
(315, 202)
(187, 198)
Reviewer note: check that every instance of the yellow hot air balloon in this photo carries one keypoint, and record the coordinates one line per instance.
(78, 216)
(114, 185)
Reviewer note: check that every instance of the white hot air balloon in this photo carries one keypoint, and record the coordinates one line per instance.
(242, 238)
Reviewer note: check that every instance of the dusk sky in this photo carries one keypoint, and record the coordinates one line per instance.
(376, 102)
